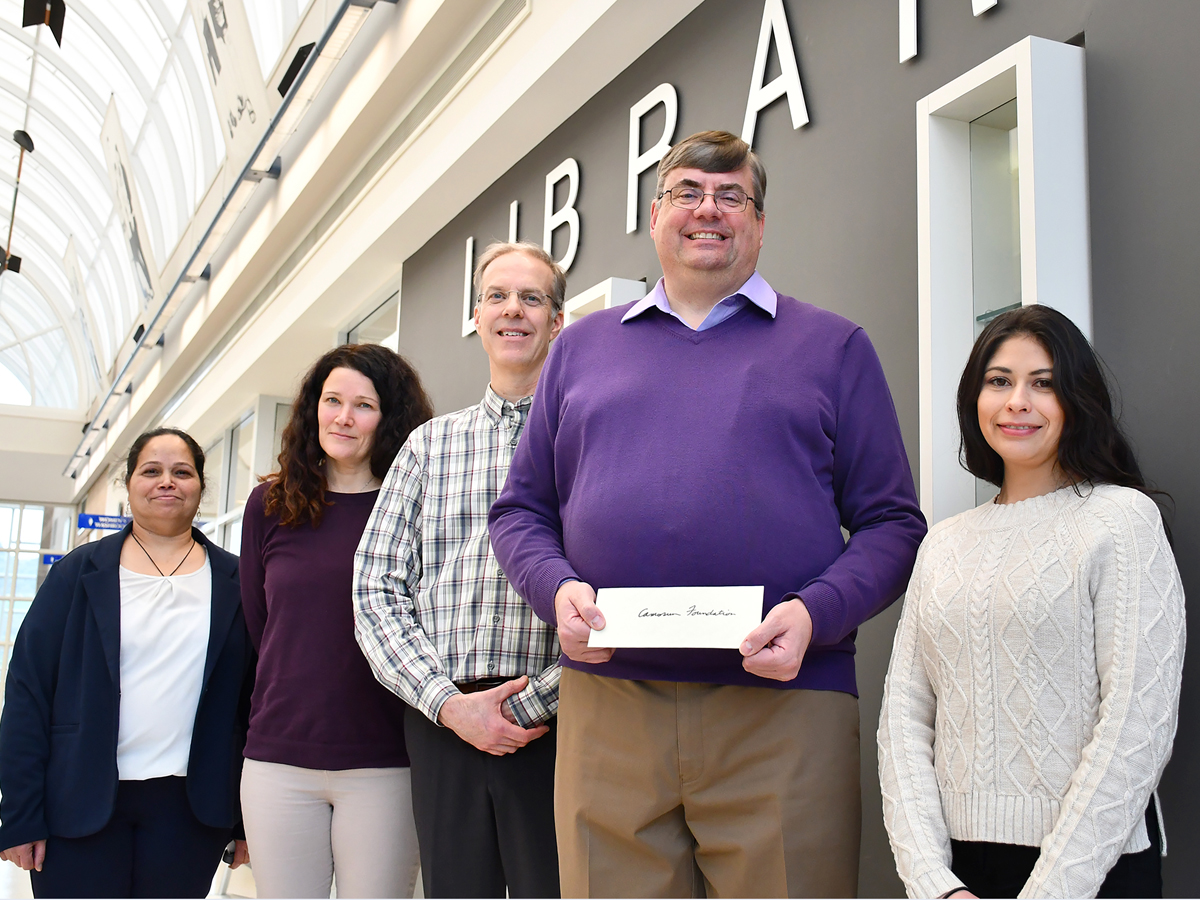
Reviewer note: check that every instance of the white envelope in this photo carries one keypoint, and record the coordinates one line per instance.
(677, 616)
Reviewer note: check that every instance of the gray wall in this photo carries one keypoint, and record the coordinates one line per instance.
(841, 233)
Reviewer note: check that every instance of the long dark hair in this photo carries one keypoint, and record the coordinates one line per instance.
(1093, 448)
(297, 491)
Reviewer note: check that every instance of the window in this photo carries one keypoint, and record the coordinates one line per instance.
(234, 461)
(229, 472)
(240, 480)
(32, 537)
(995, 214)
(1002, 220)
(380, 326)
(283, 412)
(214, 471)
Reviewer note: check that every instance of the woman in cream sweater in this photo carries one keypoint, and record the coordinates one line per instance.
(1033, 690)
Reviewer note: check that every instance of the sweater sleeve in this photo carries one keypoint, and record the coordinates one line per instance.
(524, 524)
(1138, 605)
(387, 573)
(251, 571)
(912, 809)
(28, 702)
(875, 497)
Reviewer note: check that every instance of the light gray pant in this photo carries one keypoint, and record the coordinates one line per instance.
(305, 825)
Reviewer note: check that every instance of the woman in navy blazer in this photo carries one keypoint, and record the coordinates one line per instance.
(69, 809)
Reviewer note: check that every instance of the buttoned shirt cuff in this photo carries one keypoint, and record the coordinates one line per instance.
(537, 703)
(433, 692)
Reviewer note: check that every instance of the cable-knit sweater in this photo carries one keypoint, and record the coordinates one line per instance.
(1033, 690)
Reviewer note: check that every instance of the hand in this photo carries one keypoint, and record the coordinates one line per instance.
(577, 613)
(962, 893)
(478, 719)
(776, 648)
(27, 856)
(241, 854)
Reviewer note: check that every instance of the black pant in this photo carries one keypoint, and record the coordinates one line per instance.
(483, 822)
(1001, 870)
(153, 846)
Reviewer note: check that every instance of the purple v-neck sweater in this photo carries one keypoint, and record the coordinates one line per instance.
(316, 703)
(657, 456)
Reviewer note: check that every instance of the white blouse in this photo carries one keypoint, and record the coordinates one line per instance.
(164, 641)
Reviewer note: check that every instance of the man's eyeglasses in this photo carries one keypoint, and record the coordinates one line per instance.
(529, 299)
(690, 198)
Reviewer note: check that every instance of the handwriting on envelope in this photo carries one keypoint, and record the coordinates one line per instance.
(677, 616)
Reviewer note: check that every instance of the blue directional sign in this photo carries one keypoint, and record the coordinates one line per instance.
(105, 523)
(49, 559)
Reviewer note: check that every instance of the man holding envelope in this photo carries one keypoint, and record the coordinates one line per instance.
(717, 436)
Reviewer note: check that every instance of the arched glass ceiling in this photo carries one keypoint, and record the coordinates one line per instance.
(56, 340)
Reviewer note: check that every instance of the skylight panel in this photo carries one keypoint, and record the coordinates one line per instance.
(152, 172)
(39, 289)
(10, 10)
(36, 232)
(107, 72)
(184, 125)
(175, 9)
(15, 59)
(77, 176)
(46, 187)
(14, 377)
(57, 96)
(101, 316)
(26, 310)
(126, 25)
(48, 280)
(129, 297)
(69, 150)
(52, 370)
(37, 226)
(267, 25)
(12, 116)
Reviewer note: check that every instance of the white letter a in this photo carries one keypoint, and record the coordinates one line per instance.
(774, 22)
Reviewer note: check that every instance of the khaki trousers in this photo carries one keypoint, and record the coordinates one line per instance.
(667, 789)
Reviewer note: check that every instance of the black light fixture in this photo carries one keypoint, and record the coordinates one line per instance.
(9, 262)
(289, 77)
(50, 13)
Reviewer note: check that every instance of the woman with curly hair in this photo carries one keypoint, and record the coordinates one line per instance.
(1033, 692)
(325, 787)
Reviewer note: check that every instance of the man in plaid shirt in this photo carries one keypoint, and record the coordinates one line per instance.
(441, 626)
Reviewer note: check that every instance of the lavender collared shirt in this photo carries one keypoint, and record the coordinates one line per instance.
(755, 290)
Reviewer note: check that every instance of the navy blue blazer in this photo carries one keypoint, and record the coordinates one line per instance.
(58, 733)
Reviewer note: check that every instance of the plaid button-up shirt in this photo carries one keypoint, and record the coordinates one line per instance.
(432, 607)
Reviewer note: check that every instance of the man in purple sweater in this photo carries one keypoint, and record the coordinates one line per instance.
(713, 433)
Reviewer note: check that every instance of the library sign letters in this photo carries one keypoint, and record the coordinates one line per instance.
(559, 209)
